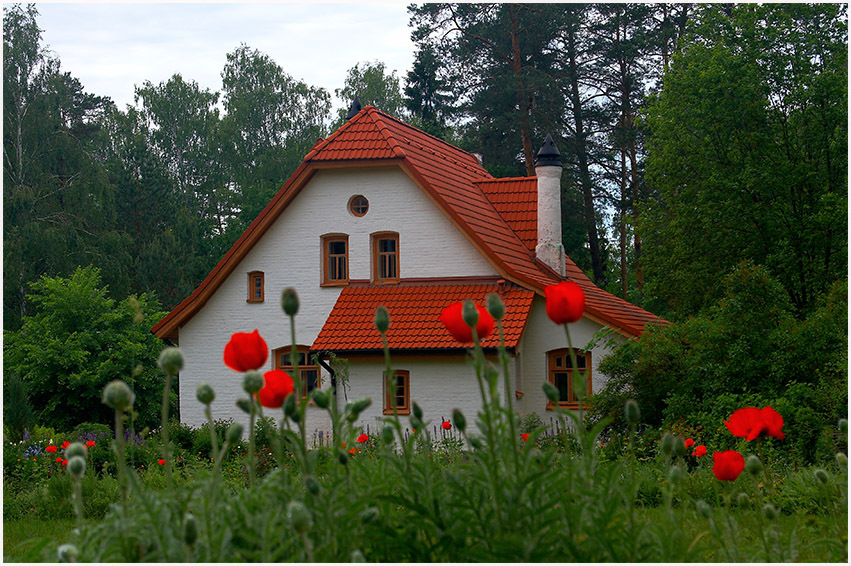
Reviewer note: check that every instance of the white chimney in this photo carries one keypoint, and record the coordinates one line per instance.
(548, 170)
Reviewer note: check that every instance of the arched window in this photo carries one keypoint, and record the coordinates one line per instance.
(561, 373)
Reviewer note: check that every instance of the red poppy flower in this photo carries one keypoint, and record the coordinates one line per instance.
(59, 459)
(446, 425)
(353, 450)
(689, 442)
(161, 462)
(363, 438)
(65, 445)
(245, 351)
(64, 462)
(565, 302)
(727, 465)
(525, 436)
(453, 319)
(90, 443)
(750, 423)
(699, 451)
(51, 449)
(277, 384)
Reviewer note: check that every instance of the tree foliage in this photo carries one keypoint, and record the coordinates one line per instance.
(373, 85)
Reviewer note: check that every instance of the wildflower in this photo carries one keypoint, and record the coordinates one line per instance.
(161, 462)
(452, 318)
(59, 459)
(525, 436)
(689, 442)
(246, 351)
(51, 449)
(64, 462)
(565, 302)
(699, 450)
(65, 445)
(363, 438)
(445, 425)
(353, 450)
(751, 423)
(277, 385)
(727, 465)
(90, 443)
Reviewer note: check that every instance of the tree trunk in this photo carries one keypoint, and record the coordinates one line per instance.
(522, 98)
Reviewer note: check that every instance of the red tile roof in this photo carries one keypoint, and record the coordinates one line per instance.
(414, 316)
(494, 214)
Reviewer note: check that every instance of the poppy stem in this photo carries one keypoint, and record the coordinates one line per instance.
(166, 450)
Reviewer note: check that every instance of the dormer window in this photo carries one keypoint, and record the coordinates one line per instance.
(385, 257)
(335, 259)
(256, 284)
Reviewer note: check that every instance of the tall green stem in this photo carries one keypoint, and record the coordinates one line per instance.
(166, 448)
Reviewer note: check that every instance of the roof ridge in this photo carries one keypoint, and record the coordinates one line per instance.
(503, 179)
(376, 116)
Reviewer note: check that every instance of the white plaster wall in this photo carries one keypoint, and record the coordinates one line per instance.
(543, 335)
(290, 256)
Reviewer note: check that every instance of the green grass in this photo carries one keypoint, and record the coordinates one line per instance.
(23, 539)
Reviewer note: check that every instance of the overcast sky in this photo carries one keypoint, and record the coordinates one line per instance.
(111, 47)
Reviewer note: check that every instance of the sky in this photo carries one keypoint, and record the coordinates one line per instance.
(112, 47)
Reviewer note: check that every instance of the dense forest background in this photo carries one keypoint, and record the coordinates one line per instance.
(701, 142)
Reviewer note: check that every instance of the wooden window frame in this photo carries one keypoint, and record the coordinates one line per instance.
(252, 277)
(302, 368)
(404, 409)
(351, 206)
(552, 369)
(378, 258)
(327, 239)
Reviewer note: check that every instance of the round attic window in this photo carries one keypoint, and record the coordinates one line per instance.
(358, 205)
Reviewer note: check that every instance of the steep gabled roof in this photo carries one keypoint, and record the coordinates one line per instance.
(480, 206)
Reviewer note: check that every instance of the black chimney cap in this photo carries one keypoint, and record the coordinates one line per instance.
(548, 154)
(354, 109)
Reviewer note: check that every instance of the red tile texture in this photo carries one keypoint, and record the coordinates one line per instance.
(415, 316)
(516, 200)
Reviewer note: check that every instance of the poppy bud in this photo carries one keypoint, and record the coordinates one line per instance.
(470, 314)
(841, 459)
(387, 435)
(679, 446)
(76, 449)
(357, 556)
(631, 412)
(496, 307)
(843, 425)
(117, 395)
(171, 361)
(321, 398)
(368, 515)
(77, 466)
(459, 419)
(299, 516)
(742, 499)
(667, 443)
(289, 406)
(252, 382)
(418, 412)
(289, 301)
(190, 529)
(234, 433)
(704, 509)
(753, 465)
(382, 319)
(244, 404)
(475, 442)
(675, 474)
(821, 475)
(551, 392)
(361, 404)
(312, 485)
(67, 553)
(296, 416)
(205, 394)
(770, 511)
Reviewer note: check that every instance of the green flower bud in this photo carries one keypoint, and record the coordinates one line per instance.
(360, 405)
(742, 499)
(312, 485)
(704, 509)
(357, 556)
(252, 382)
(382, 319)
(205, 394)
(368, 515)
(841, 459)
(296, 416)
(551, 392)
(299, 516)
(753, 465)
(321, 398)
(679, 446)
(244, 404)
(387, 435)
(470, 313)
(289, 406)
(459, 419)
(67, 553)
(632, 412)
(667, 443)
(190, 529)
(171, 361)
(76, 449)
(821, 475)
(117, 395)
(475, 442)
(675, 474)
(289, 301)
(496, 307)
(770, 511)
(234, 433)
(843, 425)
(418, 412)
(77, 466)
